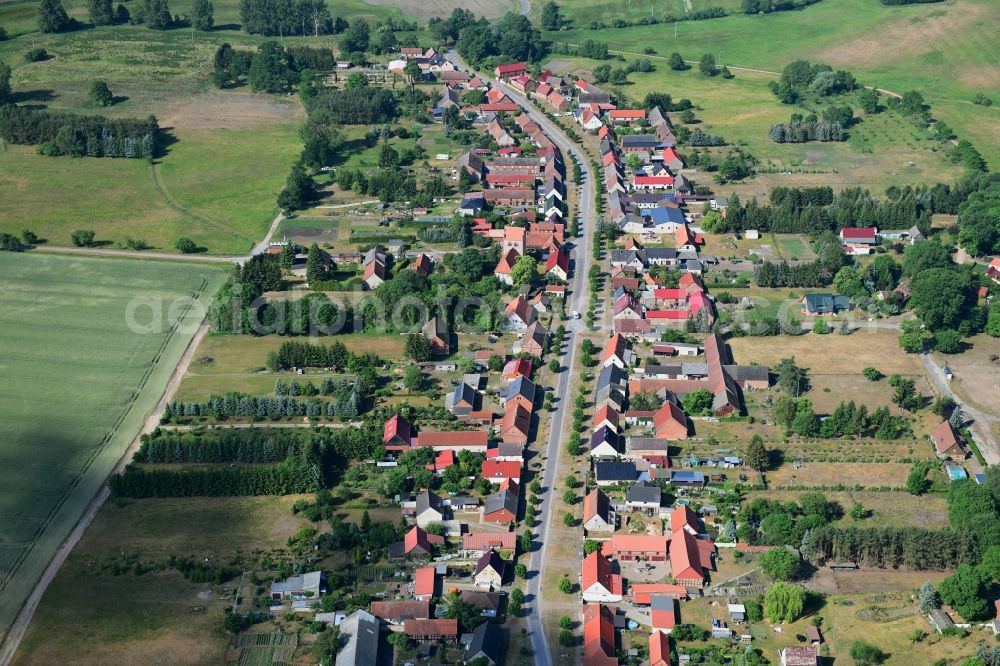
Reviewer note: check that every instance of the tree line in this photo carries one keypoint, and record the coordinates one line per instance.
(284, 18)
(802, 131)
(288, 478)
(215, 446)
(238, 405)
(891, 547)
(60, 133)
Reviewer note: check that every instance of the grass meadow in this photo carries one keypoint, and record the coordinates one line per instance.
(106, 618)
(883, 150)
(78, 385)
(901, 48)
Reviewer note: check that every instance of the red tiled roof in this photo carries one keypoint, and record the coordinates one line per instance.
(627, 114)
(659, 649)
(598, 636)
(641, 181)
(944, 437)
(396, 427)
(428, 628)
(635, 543)
(501, 469)
(597, 569)
(513, 68)
(487, 540)
(668, 314)
(858, 233)
(516, 367)
(642, 592)
(424, 582)
(395, 610)
(478, 438)
(557, 258)
(685, 560)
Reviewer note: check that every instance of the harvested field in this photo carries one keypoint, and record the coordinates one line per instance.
(832, 354)
(831, 474)
(233, 111)
(977, 378)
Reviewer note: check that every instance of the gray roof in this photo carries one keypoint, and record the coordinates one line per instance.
(661, 253)
(615, 471)
(502, 499)
(654, 370)
(656, 117)
(521, 386)
(644, 493)
(602, 435)
(694, 368)
(464, 393)
(428, 500)
(640, 140)
(627, 256)
(742, 373)
(647, 444)
(611, 375)
(686, 476)
(610, 394)
(359, 638)
(662, 602)
(487, 639)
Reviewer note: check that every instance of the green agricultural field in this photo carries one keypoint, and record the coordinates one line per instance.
(78, 384)
(883, 150)
(898, 48)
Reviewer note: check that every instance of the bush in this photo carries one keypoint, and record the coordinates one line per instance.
(185, 245)
(866, 654)
(35, 55)
(82, 238)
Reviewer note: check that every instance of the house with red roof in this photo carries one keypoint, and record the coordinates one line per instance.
(626, 116)
(557, 101)
(685, 239)
(497, 471)
(690, 558)
(649, 183)
(667, 299)
(425, 585)
(431, 630)
(523, 83)
(670, 422)
(599, 636)
(558, 264)
(415, 543)
(517, 367)
(671, 159)
(618, 351)
(659, 649)
(511, 70)
(947, 443)
(642, 593)
(506, 263)
(507, 179)
(397, 612)
(598, 581)
(397, 433)
(606, 417)
(516, 424)
(994, 270)
(375, 274)
(636, 547)
(664, 612)
(598, 516)
(458, 440)
(475, 545)
(520, 314)
(858, 240)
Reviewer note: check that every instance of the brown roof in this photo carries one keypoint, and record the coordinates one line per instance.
(401, 610)
(421, 628)
(944, 438)
(486, 540)
(454, 438)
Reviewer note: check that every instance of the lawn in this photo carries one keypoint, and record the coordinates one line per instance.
(792, 247)
(237, 362)
(78, 385)
(104, 618)
(898, 48)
